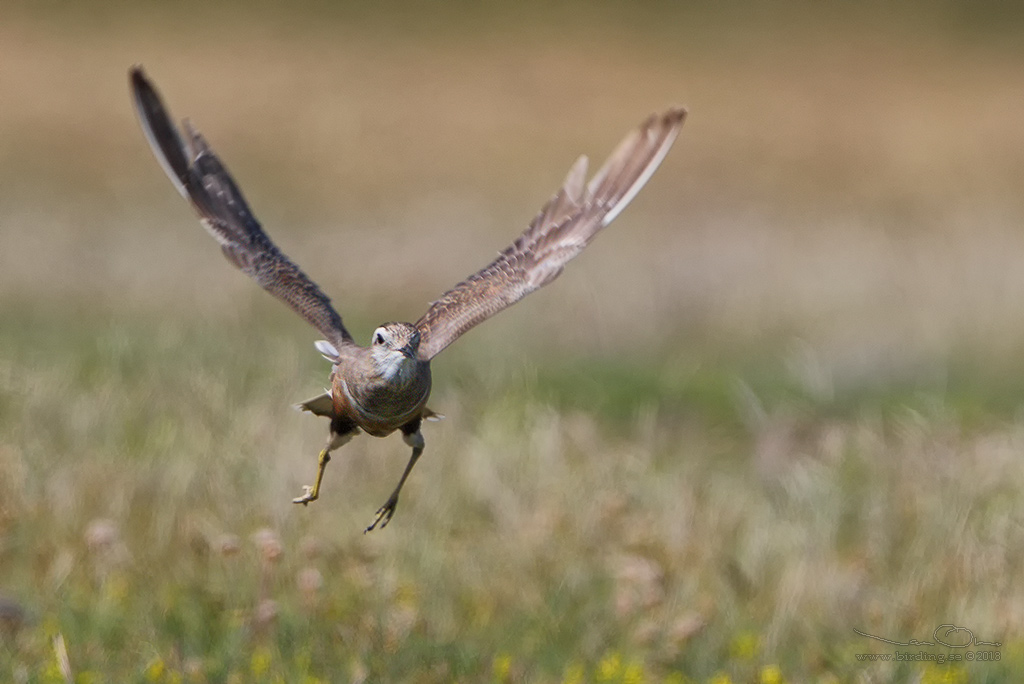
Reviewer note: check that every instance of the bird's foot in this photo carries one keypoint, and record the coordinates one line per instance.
(384, 513)
(309, 494)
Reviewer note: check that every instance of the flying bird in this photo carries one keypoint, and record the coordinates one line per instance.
(384, 387)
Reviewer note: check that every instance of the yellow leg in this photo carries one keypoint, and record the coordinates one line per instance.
(385, 512)
(313, 493)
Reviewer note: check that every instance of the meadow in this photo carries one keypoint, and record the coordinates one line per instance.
(778, 402)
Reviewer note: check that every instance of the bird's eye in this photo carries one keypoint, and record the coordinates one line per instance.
(378, 339)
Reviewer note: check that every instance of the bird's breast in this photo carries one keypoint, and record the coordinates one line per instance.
(378, 405)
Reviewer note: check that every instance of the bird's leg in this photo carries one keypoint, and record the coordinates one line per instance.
(312, 493)
(412, 436)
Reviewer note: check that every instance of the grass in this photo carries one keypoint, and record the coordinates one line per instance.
(656, 532)
(779, 401)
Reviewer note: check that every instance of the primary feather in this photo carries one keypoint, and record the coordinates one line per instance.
(201, 178)
(566, 224)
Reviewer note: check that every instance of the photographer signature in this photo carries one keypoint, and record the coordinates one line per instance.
(941, 634)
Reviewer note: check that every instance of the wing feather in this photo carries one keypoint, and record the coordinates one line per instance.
(202, 179)
(562, 229)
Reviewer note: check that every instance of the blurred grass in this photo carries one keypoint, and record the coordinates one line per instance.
(780, 400)
(666, 532)
(663, 537)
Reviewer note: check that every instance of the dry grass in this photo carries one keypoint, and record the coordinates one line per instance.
(690, 542)
(821, 431)
(854, 185)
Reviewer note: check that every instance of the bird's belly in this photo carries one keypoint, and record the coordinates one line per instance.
(382, 412)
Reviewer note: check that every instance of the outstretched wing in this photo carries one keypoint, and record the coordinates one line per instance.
(201, 178)
(566, 224)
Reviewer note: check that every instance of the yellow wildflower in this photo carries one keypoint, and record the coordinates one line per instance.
(609, 668)
(53, 675)
(634, 674)
(574, 674)
(720, 678)
(155, 669)
(943, 674)
(745, 646)
(501, 666)
(260, 661)
(771, 674)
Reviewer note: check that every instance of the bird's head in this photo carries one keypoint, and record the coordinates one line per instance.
(393, 349)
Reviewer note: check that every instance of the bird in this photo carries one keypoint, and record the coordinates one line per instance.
(384, 387)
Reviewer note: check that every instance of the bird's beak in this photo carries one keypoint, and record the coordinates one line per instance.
(408, 351)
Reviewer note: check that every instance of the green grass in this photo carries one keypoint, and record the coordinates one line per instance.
(670, 527)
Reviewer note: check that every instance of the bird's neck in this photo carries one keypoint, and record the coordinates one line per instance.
(394, 370)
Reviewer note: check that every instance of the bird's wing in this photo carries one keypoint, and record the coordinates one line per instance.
(203, 180)
(566, 224)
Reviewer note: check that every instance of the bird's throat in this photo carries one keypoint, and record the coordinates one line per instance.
(396, 369)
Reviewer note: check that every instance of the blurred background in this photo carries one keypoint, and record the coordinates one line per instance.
(780, 400)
